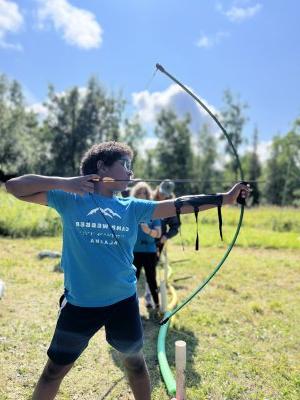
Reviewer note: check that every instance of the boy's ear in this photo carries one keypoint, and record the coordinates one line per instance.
(101, 166)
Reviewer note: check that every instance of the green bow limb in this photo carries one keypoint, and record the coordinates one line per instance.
(240, 200)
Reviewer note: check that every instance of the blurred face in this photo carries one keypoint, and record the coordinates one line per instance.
(142, 194)
(120, 171)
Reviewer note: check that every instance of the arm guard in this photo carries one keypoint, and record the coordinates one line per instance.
(197, 201)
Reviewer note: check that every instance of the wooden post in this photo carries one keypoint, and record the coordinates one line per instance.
(180, 358)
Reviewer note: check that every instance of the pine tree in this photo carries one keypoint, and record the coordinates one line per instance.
(233, 121)
(173, 151)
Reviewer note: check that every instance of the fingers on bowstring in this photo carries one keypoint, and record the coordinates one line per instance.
(107, 179)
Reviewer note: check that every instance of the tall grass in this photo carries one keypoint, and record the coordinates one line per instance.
(263, 227)
(19, 219)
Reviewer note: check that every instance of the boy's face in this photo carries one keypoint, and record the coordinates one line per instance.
(119, 170)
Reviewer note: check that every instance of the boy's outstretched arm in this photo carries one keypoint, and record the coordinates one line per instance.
(33, 188)
(167, 208)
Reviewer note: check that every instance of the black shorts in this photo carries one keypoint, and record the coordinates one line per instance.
(76, 325)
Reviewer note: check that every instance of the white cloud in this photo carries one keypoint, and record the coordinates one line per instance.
(148, 106)
(11, 21)
(78, 26)
(38, 108)
(149, 143)
(207, 42)
(238, 13)
(264, 150)
(41, 109)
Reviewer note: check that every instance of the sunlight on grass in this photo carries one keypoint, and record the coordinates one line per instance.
(241, 331)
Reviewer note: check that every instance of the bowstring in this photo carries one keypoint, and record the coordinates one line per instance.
(219, 265)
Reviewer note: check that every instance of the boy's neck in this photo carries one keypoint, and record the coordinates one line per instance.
(103, 190)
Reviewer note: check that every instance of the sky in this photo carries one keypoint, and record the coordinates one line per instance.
(250, 47)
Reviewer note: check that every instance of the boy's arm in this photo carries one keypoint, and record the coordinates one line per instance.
(167, 208)
(34, 188)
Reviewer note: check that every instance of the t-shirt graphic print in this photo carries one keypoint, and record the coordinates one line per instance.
(99, 234)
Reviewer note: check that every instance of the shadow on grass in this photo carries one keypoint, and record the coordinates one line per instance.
(111, 388)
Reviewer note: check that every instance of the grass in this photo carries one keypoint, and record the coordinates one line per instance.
(241, 331)
(21, 219)
(279, 226)
(264, 227)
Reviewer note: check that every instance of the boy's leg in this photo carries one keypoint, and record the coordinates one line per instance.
(50, 380)
(124, 332)
(74, 328)
(138, 375)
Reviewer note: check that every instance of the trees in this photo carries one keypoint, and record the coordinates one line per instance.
(133, 134)
(18, 130)
(80, 117)
(253, 170)
(233, 121)
(77, 119)
(283, 169)
(174, 154)
(205, 161)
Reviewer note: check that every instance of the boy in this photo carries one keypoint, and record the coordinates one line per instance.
(99, 233)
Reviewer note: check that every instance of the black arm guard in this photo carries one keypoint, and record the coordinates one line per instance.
(197, 201)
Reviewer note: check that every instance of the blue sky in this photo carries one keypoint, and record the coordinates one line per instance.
(251, 47)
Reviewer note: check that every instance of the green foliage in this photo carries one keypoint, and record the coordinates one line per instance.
(19, 133)
(76, 120)
(21, 219)
(205, 169)
(173, 152)
(233, 121)
(253, 170)
(283, 168)
(133, 135)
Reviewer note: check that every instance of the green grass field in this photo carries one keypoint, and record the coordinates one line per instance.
(242, 331)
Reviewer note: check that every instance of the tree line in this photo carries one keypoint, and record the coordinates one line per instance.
(76, 118)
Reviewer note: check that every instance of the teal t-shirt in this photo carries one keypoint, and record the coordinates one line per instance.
(98, 269)
(145, 243)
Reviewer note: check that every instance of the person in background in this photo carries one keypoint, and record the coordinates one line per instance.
(99, 235)
(145, 247)
(169, 226)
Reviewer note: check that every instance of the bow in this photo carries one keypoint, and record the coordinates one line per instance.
(240, 200)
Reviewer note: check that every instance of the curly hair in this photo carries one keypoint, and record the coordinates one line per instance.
(108, 152)
(142, 186)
